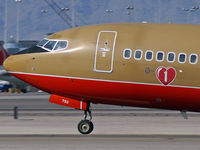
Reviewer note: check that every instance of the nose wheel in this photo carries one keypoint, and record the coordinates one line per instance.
(86, 126)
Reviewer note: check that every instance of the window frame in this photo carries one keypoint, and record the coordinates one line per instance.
(47, 43)
(53, 49)
(135, 54)
(146, 55)
(44, 43)
(157, 56)
(125, 51)
(190, 58)
(168, 57)
(61, 48)
(179, 57)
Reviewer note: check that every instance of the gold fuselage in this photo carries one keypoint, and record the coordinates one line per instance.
(78, 59)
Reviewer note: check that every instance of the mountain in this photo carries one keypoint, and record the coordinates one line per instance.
(34, 24)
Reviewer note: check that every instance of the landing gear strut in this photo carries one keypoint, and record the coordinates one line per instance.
(86, 126)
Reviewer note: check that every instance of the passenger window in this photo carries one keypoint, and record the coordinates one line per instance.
(149, 55)
(160, 56)
(171, 57)
(61, 45)
(50, 45)
(193, 58)
(41, 43)
(127, 53)
(182, 58)
(138, 55)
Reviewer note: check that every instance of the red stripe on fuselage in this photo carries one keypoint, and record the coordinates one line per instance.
(117, 93)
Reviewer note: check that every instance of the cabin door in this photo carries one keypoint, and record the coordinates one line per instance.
(104, 54)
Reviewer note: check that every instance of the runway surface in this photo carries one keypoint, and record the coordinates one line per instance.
(47, 126)
(99, 143)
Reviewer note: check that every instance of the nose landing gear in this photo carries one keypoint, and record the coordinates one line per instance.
(86, 126)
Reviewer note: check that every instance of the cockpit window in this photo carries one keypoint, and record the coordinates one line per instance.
(53, 44)
(61, 45)
(50, 45)
(41, 43)
(46, 45)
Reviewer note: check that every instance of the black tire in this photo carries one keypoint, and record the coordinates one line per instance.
(85, 127)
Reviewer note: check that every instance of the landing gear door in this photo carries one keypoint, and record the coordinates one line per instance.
(104, 54)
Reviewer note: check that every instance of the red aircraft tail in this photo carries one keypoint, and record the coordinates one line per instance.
(3, 55)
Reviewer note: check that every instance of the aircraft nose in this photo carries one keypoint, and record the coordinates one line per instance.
(13, 63)
(8, 63)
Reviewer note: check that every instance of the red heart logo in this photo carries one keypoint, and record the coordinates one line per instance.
(165, 75)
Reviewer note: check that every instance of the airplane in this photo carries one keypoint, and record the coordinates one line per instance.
(128, 64)
(3, 54)
(4, 75)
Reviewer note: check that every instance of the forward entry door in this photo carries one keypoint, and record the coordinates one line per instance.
(104, 54)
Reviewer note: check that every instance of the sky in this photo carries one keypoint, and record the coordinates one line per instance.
(34, 23)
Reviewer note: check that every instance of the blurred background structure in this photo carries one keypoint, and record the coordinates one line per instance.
(31, 20)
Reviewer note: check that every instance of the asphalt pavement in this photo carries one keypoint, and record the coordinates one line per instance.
(42, 125)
